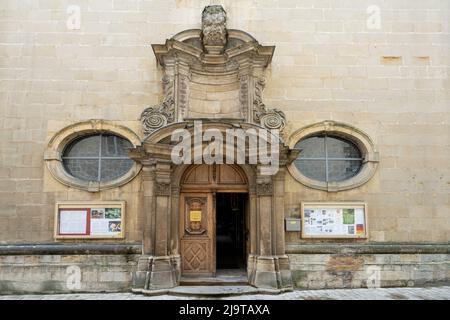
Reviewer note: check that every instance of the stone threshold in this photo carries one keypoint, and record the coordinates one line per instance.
(211, 291)
(225, 277)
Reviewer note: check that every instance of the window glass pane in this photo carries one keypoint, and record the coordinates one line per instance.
(313, 147)
(313, 169)
(340, 148)
(84, 147)
(89, 146)
(113, 146)
(114, 168)
(82, 168)
(339, 170)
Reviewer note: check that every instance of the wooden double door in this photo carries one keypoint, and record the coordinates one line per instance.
(198, 214)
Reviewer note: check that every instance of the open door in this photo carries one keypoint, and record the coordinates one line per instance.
(201, 186)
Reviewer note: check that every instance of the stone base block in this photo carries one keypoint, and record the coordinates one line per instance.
(156, 273)
(270, 272)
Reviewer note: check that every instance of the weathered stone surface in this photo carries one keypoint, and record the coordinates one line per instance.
(52, 273)
(355, 270)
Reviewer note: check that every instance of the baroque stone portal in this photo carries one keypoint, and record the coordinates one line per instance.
(214, 74)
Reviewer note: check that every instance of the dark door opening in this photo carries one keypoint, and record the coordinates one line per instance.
(230, 231)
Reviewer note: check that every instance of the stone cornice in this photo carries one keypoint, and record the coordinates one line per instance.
(368, 248)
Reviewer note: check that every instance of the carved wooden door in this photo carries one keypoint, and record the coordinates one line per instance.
(198, 214)
(197, 234)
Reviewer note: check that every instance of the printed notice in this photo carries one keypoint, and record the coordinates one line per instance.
(333, 222)
(90, 220)
(99, 227)
(73, 221)
(195, 215)
(106, 221)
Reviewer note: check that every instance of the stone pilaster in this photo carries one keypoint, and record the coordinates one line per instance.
(159, 266)
(268, 267)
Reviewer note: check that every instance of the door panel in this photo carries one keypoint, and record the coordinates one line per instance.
(197, 233)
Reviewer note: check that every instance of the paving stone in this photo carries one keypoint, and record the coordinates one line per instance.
(248, 293)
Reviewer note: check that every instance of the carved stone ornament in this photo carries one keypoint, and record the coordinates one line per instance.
(264, 188)
(162, 189)
(214, 29)
(156, 117)
(267, 118)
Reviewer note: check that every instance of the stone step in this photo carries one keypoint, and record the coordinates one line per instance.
(210, 291)
(214, 290)
(214, 281)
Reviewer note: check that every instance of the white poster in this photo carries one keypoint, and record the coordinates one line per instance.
(99, 227)
(359, 216)
(72, 222)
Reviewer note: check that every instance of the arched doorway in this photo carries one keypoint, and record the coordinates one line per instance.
(164, 241)
(214, 220)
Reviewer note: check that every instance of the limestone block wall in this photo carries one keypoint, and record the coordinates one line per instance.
(390, 81)
(22, 274)
(386, 265)
(317, 271)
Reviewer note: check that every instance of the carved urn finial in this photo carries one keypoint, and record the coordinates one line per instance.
(214, 29)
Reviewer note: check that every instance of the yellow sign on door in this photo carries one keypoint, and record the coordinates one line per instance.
(195, 215)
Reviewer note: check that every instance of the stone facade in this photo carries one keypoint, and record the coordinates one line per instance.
(27, 274)
(330, 64)
(362, 266)
(74, 268)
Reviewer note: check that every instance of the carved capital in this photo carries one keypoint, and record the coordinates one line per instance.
(264, 188)
(162, 188)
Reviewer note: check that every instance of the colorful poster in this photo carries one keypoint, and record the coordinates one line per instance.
(348, 216)
(113, 213)
(359, 229)
(115, 226)
(97, 213)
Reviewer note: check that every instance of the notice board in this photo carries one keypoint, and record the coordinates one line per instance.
(334, 220)
(103, 219)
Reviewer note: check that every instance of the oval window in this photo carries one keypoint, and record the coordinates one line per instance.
(328, 158)
(100, 157)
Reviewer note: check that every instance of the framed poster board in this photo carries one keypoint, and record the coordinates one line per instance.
(89, 220)
(334, 220)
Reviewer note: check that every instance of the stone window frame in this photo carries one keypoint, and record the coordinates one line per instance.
(367, 148)
(57, 144)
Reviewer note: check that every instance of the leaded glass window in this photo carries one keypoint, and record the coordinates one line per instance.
(101, 157)
(328, 158)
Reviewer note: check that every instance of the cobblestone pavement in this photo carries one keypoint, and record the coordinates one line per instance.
(429, 293)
